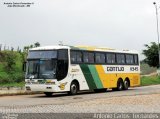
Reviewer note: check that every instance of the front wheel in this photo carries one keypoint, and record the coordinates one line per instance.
(48, 94)
(73, 88)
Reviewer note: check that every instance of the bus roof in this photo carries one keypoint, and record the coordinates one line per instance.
(89, 48)
(50, 47)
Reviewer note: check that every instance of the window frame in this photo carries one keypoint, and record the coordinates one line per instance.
(104, 53)
(88, 56)
(76, 62)
(121, 62)
(114, 58)
(126, 59)
(137, 59)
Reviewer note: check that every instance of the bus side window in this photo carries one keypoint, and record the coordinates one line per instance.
(76, 57)
(73, 56)
(91, 57)
(110, 58)
(135, 59)
(129, 59)
(88, 57)
(100, 58)
(120, 58)
(85, 57)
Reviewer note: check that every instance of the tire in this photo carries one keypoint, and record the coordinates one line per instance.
(126, 85)
(120, 85)
(73, 88)
(48, 94)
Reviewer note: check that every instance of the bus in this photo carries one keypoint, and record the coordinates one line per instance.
(71, 69)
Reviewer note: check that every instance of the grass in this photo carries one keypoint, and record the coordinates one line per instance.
(13, 85)
(150, 80)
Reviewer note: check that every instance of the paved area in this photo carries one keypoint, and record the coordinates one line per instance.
(139, 99)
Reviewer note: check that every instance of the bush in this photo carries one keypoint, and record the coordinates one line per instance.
(5, 78)
(11, 67)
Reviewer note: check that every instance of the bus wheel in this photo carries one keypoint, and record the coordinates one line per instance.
(48, 94)
(126, 85)
(73, 88)
(120, 85)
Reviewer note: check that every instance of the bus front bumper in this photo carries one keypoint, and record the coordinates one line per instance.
(43, 88)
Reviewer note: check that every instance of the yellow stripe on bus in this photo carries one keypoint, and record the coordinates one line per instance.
(102, 76)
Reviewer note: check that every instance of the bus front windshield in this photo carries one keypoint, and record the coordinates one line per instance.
(41, 64)
(41, 69)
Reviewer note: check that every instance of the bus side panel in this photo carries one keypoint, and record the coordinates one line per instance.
(135, 80)
(75, 73)
(95, 77)
(88, 76)
(108, 80)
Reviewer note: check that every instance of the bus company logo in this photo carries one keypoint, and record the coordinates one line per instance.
(62, 86)
(75, 70)
(115, 68)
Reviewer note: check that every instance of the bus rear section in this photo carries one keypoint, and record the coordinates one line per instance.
(117, 70)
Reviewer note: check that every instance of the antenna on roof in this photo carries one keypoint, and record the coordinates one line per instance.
(60, 43)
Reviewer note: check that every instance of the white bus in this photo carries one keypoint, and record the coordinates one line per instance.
(71, 69)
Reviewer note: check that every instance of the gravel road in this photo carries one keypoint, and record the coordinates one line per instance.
(136, 100)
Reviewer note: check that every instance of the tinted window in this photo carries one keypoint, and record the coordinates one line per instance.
(79, 56)
(76, 56)
(42, 54)
(100, 58)
(120, 58)
(73, 56)
(63, 54)
(136, 59)
(62, 64)
(88, 57)
(110, 58)
(129, 59)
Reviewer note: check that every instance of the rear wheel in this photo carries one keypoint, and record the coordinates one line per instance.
(48, 94)
(126, 85)
(73, 88)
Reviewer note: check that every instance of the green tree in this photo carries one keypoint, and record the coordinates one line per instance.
(151, 53)
(37, 44)
(26, 48)
(11, 67)
(10, 59)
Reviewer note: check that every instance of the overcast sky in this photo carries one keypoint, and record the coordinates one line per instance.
(120, 24)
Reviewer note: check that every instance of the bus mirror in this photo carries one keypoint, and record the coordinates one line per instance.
(24, 66)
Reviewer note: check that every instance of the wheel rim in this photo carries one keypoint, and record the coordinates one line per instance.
(120, 85)
(126, 84)
(74, 88)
